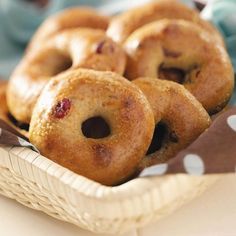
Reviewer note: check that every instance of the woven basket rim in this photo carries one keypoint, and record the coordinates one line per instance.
(132, 200)
(111, 193)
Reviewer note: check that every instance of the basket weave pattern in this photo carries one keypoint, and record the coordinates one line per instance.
(39, 183)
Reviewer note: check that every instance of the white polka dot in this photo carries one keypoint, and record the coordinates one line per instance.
(23, 142)
(231, 120)
(193, 164)
(159, 169)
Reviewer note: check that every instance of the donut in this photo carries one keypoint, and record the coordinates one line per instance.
(179, 119)
(75, 17)
(16, 127)
(123, 25)
(73, 99)
(181, 51)
(3, 104)
(75, 48)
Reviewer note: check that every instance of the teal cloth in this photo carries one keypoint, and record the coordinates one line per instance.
(222, 13)
(19, 20)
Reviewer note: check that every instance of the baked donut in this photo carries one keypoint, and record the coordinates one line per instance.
(21, 129)
(179, 118)
(181, 51)
(3, 104)
(87, 48)
(75, 17)
(123, 25)
(73, 99)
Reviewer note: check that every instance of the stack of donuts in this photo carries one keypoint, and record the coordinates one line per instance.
(108, 96)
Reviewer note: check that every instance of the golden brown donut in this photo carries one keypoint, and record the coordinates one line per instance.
(87, 48)
(21, 129)
(179, 118)
(180, 48)
(72, 99)
(123, 25)
(3, 104)
(75, 17)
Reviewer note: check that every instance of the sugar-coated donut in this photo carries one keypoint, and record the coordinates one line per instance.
(181, 51)
(75, 17)
(179, 118)
(86, 48)
(69, 101)
(123, 25)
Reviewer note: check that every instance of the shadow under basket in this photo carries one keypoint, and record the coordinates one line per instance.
(43, 185)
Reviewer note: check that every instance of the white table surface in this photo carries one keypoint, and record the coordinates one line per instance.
(211, 214)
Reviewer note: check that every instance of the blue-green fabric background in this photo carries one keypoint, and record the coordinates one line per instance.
(19, 19)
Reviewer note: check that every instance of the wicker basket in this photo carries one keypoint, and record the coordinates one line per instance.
(39, 183)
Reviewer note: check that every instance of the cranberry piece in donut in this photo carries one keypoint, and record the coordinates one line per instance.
(62, 108)
(100, 47)
(109, 154)
(104, 46)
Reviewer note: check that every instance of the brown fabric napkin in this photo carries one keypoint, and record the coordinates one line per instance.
(213, 152)
(10, 136)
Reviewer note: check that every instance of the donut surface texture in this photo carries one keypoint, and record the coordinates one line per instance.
(3, 103)
(123, 25)
(179, 118)
(181, 51)
(22, 129)
(75, 17)
(68, 50)
(69, 101)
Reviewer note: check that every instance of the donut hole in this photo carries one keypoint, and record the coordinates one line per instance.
(158, 138)
(161, 136)
(54, 62)
(174, 74)
(62, 63)
(95, 127)
(178, 75)
(17, 123)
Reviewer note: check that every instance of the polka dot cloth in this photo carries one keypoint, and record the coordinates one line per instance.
(231, 120)
(213, 152)
(155, 170)
(193, 164)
